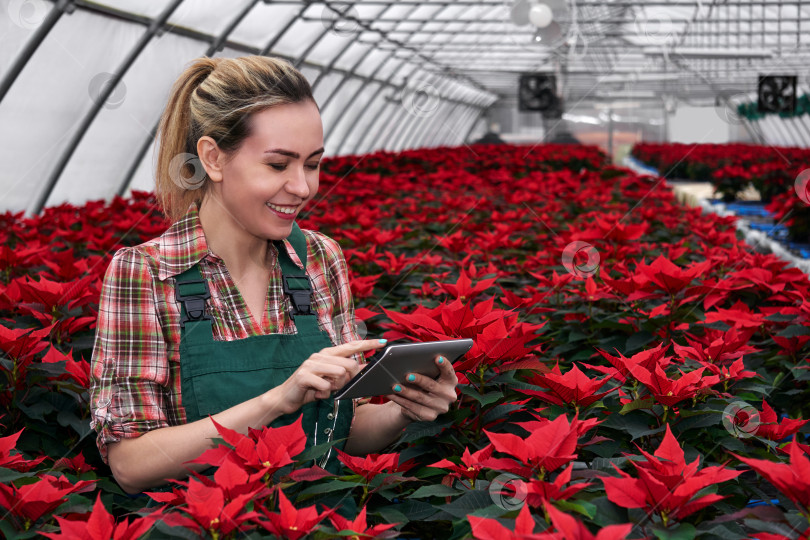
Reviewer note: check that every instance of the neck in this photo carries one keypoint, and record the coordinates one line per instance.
(226, 238)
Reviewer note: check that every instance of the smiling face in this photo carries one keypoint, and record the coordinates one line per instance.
(263, 186)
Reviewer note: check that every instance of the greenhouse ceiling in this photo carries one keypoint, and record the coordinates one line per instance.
(82, 84)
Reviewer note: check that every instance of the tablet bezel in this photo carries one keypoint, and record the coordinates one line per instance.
(396, 361)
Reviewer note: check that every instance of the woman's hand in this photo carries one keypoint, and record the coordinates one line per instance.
(324, 371)
(422, 398)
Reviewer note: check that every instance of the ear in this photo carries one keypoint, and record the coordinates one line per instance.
(211, 158)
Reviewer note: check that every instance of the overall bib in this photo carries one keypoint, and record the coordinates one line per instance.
(216, 375)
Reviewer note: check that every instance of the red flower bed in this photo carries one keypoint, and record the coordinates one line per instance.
(730, 167)
(636, 367)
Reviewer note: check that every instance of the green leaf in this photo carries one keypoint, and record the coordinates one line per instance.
(469, 503)
(581, 507)
(419, 430)
(435, 490)
(484, 400)
(8, 476)
(637, 341)
(328, 487)
(681, 531)
(794, 330)
(174, 532)
(316, 451)
(640, 403)
(414, 510)
(500, 411)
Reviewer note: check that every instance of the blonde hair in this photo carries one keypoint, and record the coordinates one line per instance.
(216, 97)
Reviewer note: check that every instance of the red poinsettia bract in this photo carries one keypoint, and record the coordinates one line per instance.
(566, 527)
(548, 447)
(101, 525)
(792, 479)
(666, 485)
(574, 388)
(359, 526)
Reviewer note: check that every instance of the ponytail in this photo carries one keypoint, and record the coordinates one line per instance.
(215, 97)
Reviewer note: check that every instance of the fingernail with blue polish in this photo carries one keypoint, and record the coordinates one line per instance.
(441, 360)
(397, 388)
(411, 377)
(383, 341)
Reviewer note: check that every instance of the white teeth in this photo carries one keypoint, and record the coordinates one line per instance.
(282, 209)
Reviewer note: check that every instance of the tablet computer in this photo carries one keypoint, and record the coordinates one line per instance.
(392, 365)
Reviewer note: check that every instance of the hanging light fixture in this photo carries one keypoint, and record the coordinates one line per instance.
(540, 15)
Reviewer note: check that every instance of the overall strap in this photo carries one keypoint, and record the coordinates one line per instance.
(191, 291)
(295, 282)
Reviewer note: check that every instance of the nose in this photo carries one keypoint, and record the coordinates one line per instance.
(297, 183)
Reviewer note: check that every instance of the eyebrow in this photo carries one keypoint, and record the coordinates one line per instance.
(294, 155)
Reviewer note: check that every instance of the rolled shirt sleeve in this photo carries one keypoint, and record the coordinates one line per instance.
(130, 373)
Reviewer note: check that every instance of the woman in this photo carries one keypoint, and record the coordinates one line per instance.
(216, 318)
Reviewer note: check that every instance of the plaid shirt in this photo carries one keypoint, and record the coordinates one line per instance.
(135, 371)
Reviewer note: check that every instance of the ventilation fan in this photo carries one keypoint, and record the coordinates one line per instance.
(538, 92)
(777, 94)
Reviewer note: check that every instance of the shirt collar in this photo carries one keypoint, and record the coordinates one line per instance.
(183, 245)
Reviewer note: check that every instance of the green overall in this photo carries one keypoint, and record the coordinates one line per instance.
(216, 375)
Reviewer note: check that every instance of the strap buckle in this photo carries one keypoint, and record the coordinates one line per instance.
(193, 304)
(300, 298)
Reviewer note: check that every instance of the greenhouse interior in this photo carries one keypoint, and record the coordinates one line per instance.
(487, 269)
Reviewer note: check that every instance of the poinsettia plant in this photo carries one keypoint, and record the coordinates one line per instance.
(636, 368)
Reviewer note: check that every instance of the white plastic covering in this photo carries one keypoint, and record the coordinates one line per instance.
(387, 74)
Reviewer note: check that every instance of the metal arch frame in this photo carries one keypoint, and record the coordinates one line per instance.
(444, 135)
(21, 60)
(418, 137)
(343, 81)
(216, 46)
(407, 135)
(328, 68)
(360, 143)
(437, 140)
(380, 89)
(84, 126)
(403, 121)
(413, 137)
(434, 138)
(425, 132)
